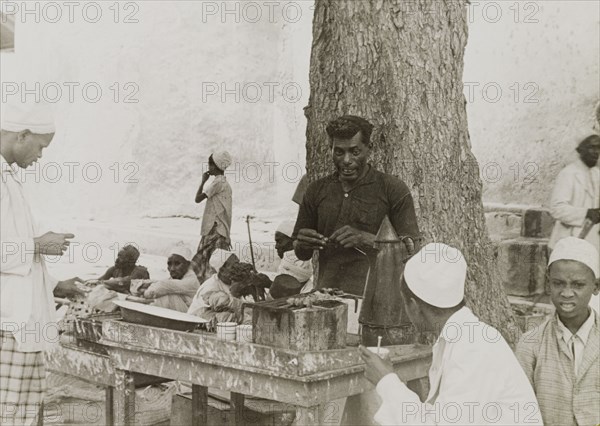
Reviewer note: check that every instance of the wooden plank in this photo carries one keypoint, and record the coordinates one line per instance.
(237, 408)
(207, 348)
(124, 398)
(305, 391)
(85, 365)
(199, 405)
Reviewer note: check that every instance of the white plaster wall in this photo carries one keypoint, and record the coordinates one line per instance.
(152, 153)
(521, 146)
(177, 48)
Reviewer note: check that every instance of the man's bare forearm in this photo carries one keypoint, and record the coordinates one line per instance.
(200, 196)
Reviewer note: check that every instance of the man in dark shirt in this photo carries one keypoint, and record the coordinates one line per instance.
(119, 276)
(341, 213)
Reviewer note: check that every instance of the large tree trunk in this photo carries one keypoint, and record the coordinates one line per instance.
(400, 65)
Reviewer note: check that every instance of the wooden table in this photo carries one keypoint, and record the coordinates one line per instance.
(305, 380)
(92, 367)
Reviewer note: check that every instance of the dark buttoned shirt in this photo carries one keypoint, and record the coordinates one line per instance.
(326, 207)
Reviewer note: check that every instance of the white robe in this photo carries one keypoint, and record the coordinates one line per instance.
(475, 379)
(576, 190)
(26, 289)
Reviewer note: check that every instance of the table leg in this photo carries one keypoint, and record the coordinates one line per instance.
(237, 408)
(109, 417)
(308, 416)
(199, 405)
(124, 398)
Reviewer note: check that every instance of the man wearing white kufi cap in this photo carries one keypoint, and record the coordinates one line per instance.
(27, 313)
(561, 356)
(216, 219)
(472, 368)
(177, 292)
(221, 261)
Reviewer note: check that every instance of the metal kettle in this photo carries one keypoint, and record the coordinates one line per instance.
(382, 312)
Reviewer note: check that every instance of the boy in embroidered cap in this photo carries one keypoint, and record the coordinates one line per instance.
(560, 357)
(216, 220)
(472, 367)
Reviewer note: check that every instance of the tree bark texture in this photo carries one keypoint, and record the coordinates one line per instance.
(400, 65)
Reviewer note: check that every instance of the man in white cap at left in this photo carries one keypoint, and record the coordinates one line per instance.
(216, 220)
(561, 356)
(27, 315)
(474, 378)
(177, 292)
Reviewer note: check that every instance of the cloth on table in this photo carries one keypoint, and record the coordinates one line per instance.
(22, 382)
(99, 300)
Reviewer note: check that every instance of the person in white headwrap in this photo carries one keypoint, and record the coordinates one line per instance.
(177, 292)
(474, 378)
(27, 312)
(215, 293)
(293, 275)
(216, 220)
(576, 195)
(561, 356)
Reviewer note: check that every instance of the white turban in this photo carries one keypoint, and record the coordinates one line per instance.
(436, 275)
(218, 258)
(35, 117)
(181, 250)
(571, 248)
(286, 228)
(222, 159)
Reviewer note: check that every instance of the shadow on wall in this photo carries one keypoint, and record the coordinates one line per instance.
(7, 32)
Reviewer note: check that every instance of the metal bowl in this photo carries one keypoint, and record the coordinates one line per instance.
(155, 316)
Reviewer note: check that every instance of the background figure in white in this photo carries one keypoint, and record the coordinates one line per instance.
(576, 197)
